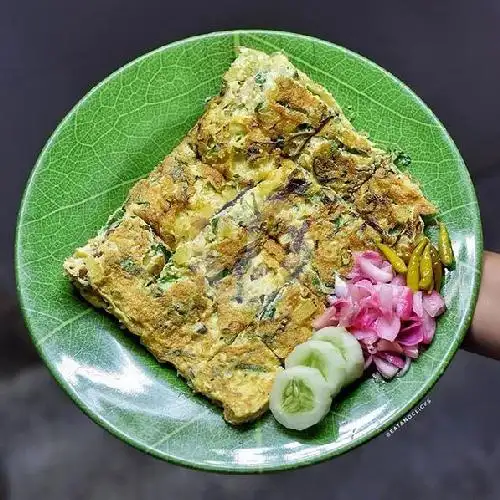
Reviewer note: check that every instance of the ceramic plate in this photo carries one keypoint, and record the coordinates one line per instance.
(118, 133)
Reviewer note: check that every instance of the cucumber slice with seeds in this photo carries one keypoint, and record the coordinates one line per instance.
(322, 356)
(300, 397)
(349, 348)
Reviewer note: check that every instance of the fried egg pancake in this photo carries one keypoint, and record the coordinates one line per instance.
(220, 259)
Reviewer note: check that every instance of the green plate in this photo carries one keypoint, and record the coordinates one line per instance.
(114, 136)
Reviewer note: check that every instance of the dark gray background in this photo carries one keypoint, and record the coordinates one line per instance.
(53, 51)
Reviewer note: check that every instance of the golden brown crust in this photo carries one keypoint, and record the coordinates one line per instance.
(164, 315)
(240, 298)
(366, 178)
(291, 112)
(286, 321)
(239, 377)
(393, 204)
(178, 198)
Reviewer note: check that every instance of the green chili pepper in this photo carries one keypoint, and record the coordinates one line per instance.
(437, 268)
(426, 274)
(445, 248)
(396, 261)
(413, 276)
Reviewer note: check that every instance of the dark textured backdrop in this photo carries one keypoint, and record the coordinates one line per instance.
(53, 51)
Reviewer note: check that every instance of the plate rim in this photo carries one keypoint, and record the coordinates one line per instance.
(232, 468)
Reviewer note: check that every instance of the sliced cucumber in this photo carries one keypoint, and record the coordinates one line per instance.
(300, 397)
(322, 356)
(349, 348)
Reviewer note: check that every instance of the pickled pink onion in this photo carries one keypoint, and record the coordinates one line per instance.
(390, 321)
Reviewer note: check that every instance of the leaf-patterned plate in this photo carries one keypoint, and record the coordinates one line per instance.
(114, 136)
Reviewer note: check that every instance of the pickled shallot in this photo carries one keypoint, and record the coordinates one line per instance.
(390, 321)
